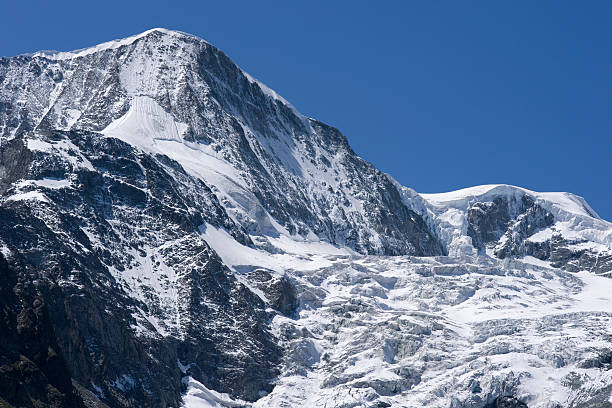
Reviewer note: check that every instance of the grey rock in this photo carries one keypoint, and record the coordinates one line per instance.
(279, 291)
(507, 402)
(488, 221)
(130, 204)
(564, 255)
(15, 160)
(532, 218)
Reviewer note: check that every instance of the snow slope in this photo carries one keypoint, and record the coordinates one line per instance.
(145, 123)
(565, 202)
(574, 219)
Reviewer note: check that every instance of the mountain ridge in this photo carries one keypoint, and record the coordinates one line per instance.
(283, 148)
(163, 212)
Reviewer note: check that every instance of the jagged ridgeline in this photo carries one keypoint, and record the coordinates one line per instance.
(175, 233)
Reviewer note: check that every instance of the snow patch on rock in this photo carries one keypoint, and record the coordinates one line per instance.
(145, 123)
(198, 396)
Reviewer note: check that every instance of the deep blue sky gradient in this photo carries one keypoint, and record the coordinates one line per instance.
(441, 95)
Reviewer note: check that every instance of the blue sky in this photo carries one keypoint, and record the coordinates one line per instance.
(441, 95)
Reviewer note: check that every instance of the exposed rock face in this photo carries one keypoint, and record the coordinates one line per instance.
(508, 402)
(488, 221)
(279, 291)
(507, 219)
(564, 254)
(15, 160)
(533, 218)
(32, 373)
(173, 229)
(131, 287)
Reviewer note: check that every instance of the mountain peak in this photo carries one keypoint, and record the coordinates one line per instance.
(167, 32)
(114, 44)
(565, 201)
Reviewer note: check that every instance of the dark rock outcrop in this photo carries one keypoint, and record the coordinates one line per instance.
(33, 372)
(508, 219)
(279, 291)
(532, 218)
(15, 160)
(507, 402)
(564, 254)
(91, 253)
(488, 221)
(506, 223)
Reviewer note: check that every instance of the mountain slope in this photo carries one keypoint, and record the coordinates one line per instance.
(170, 92)
(176, 232)
(507, 221)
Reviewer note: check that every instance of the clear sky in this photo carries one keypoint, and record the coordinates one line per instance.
(441, 95)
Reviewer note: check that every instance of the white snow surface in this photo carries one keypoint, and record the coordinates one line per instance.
(198, 396)
(145, 123)
(30, 195)
(46, 182)
(421, 331)
(295, 254)
(564, 201)
(447, 213)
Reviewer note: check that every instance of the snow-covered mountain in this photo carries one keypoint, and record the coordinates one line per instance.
(504, 221)
(176, 233)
